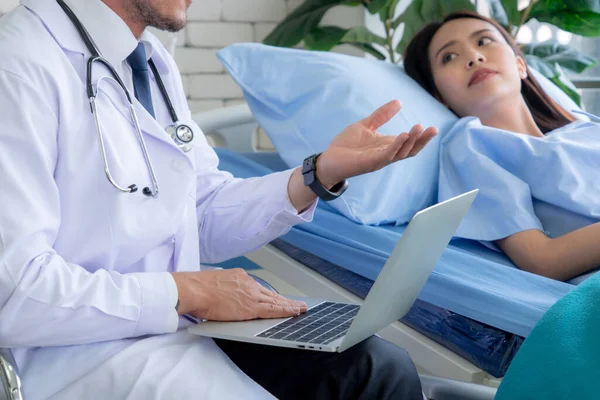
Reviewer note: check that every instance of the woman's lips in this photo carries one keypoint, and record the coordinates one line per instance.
(481, 75)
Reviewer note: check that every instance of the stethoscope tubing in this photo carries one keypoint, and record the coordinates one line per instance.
(182, 141)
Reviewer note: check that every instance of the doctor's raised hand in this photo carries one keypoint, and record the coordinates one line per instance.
(360, 149)
(231, 295)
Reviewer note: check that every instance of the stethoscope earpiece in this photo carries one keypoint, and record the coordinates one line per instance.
(147, 192)
(132, 188)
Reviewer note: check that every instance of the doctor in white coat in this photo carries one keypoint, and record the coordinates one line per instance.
(93, 280)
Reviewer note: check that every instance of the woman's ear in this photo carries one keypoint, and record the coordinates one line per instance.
(522, 67)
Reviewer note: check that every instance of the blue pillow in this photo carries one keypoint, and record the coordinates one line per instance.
(303, 99)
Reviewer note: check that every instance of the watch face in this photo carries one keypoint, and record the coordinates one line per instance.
(309, 164)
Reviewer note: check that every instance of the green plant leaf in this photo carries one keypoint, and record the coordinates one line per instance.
(512, 11)
(555, 74)
(567, 86)
(498, 13)
(540, 65)
(506, 13)
(584, 24)
(375, 6)
(301, 22)
(361, 34)
(567, 5)
(436, 10)
(369, 49)
(553, 52)
(324, 38)
(387, 13)
(581, 17)
(422, 12)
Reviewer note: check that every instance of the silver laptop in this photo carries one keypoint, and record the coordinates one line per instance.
(334, 327)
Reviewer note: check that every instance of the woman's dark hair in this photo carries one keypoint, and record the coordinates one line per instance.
(547, 114)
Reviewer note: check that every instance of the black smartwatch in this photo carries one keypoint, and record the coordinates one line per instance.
(309, 172)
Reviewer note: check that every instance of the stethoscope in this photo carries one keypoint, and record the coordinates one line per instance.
(181, 134)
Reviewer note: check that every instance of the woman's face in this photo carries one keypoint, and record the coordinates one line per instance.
(473, 67)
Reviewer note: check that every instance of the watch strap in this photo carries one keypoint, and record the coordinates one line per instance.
(309, 173)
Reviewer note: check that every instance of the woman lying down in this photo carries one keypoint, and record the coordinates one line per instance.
(537, 167)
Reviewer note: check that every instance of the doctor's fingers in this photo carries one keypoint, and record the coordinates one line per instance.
(382, 115)
(275, 298)
(402, 144)
(271, 310)
(414, 143)
(424, 138)
(413, 136)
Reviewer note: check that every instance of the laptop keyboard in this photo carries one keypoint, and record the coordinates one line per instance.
(320, 325)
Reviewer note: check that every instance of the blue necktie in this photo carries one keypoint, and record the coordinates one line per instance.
(141, 80)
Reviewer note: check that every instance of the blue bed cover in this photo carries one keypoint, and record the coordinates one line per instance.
(469, 280)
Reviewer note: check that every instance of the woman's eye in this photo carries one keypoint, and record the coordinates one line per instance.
(484, 40)
(448, 57)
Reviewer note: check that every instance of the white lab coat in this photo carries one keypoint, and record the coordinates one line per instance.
(83, 267)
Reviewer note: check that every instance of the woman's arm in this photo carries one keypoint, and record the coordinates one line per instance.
(561, 258)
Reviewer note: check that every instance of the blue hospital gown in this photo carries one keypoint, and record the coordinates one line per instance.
(550, 183)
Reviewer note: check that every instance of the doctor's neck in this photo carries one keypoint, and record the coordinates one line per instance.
(169, 15)
(510, 116)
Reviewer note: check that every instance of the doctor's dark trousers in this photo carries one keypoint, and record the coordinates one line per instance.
(373, 369)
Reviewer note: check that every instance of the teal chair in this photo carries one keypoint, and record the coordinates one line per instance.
(560, 359)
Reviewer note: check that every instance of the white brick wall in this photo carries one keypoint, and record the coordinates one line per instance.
(7, 5)
(218, 34)
(213, 24)
(254, 10)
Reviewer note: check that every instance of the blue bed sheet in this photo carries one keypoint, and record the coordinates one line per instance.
(489, 348)
(470, 279)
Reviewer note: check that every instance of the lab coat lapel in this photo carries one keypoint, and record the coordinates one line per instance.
(57, 23)
(107, 86)
(150, 126)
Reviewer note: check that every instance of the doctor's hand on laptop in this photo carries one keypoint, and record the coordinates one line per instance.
(230, 295)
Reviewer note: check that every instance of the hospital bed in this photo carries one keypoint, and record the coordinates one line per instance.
(233, 129)
(469, 320)
(472, 315)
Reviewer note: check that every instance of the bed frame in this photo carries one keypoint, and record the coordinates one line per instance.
(235, 128)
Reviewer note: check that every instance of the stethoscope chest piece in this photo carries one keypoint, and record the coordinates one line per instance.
(182, 135)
